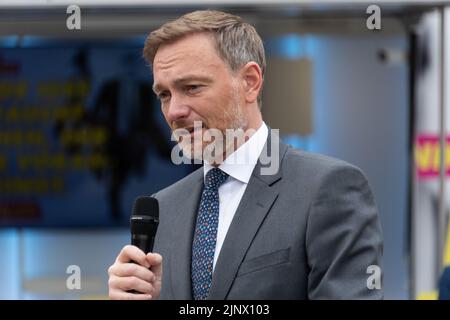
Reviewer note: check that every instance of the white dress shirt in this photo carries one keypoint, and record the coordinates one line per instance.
(239, 166)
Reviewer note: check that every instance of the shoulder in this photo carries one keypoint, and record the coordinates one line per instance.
(318, 167)
(181, 186)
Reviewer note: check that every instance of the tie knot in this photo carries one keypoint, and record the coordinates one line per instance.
(214, 178)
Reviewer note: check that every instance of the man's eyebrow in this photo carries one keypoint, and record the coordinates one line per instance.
(205, 79)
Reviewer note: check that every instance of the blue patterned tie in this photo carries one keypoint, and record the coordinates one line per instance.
(205, 235)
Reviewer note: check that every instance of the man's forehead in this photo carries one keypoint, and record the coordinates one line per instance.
(196, 47)
(166, 56)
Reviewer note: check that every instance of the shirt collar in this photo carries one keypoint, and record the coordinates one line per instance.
(240, 163)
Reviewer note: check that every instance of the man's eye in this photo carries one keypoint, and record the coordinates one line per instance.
(163, 96)
(193, 88)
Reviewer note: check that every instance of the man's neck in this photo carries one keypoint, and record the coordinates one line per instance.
(238, 142)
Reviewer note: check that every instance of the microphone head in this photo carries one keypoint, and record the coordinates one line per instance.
(146, 206)
(145, 216)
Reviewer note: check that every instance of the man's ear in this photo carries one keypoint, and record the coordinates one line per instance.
(252, 80)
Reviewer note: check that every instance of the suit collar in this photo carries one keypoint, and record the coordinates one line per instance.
(268, 168)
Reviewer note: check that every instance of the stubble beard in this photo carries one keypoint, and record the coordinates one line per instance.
(204, 141)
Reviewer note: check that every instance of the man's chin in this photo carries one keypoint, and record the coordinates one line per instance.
(210, 153)
(192, 154)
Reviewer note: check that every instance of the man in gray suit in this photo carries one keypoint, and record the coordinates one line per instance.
(260, 220)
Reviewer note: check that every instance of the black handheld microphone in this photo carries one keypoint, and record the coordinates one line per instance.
(144, 223)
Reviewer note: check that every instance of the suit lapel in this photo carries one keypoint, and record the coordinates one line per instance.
(253, 208)
(183, 232)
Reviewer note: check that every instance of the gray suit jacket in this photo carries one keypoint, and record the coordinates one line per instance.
(310, 231)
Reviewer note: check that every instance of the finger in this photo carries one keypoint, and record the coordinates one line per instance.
(120, 295)
(129, 284)
(132, 253)
(155, 260)
(132, 269)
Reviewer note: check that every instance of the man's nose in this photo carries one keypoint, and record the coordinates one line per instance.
(178, 109)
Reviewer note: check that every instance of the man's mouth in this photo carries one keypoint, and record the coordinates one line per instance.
(190, 131)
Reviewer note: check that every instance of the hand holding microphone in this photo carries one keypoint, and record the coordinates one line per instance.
(136, 274)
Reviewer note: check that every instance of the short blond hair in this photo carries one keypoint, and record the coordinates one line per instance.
(236, 41)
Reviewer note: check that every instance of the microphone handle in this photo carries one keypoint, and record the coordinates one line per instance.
(143, 242)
